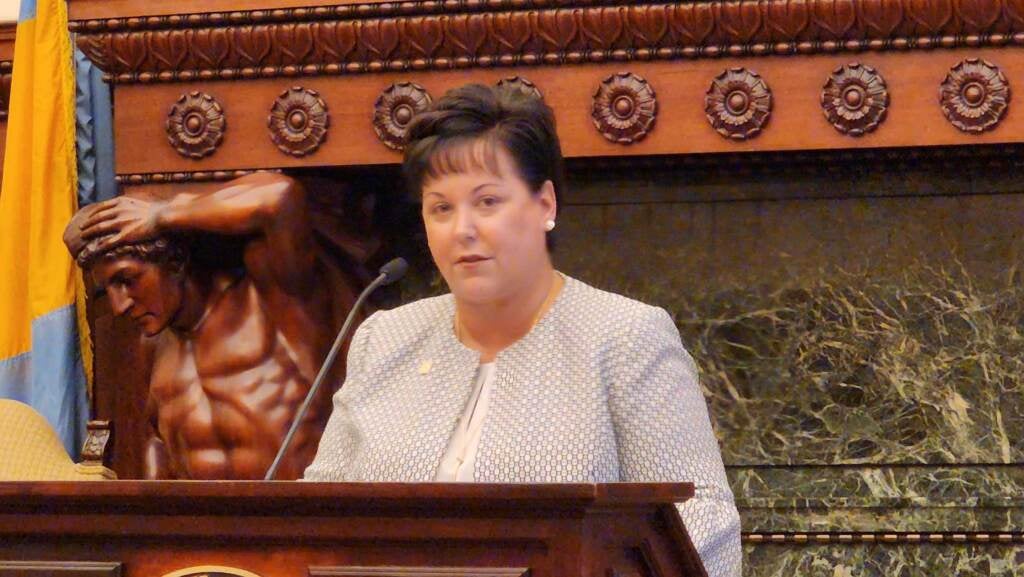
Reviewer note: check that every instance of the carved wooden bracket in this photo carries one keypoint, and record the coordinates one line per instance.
(98, 447)
(738, 104)
(298, 121)
(855, 99)
(195, 125)
(974, 96)
(625, 108)
(428, 34)
(395, 108)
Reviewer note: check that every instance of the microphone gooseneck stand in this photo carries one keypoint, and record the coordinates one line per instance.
(389, 273)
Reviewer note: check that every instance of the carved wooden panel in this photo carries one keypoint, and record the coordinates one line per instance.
(65, 568)
(625, 108)
(855, 99)
(195, 125)
(426, 34)
(975, 95)
(298, 121)
(796, 117)
(738, 104)
(637, 561)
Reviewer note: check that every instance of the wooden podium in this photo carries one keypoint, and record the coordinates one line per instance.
(297, 529)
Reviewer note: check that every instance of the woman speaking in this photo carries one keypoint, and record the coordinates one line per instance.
(521, 374)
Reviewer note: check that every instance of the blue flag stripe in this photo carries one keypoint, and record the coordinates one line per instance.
(27, 10)
(48, 376)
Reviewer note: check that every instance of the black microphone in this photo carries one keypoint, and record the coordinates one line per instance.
(389, 273)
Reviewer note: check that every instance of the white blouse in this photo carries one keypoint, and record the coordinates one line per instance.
(459, 460)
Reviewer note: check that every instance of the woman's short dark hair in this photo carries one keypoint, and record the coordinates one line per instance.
(438, 140)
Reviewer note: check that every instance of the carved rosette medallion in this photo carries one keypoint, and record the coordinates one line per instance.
(195, 125)
(522, 85)
(298, 121)
(211, 571)
(625, 108)
(395, 109)
(738, 104)
(974, 96)
(855, 99)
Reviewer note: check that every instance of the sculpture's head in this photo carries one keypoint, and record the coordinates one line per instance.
(144, 281)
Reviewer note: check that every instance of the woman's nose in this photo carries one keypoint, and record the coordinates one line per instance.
(465, 224)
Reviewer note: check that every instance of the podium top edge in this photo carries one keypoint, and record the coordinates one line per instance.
(362, 494)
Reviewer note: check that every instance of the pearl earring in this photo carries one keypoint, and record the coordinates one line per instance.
(549, 225)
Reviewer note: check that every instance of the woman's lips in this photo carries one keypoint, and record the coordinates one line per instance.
(471, 260)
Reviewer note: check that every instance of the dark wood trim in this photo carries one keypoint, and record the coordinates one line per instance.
(390, 37)
(59, 568)
(242, 497)
(183, 177)
(994, 155)
(894, 538)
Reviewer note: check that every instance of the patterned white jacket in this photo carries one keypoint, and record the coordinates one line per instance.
(601, 390)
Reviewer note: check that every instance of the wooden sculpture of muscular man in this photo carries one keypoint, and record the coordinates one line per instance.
(235, 350)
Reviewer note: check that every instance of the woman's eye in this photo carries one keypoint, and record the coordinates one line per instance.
(440, 208)
(488, 201)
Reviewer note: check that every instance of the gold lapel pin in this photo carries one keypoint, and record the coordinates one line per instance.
(425, 367)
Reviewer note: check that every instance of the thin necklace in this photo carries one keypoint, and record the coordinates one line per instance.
(536, 318)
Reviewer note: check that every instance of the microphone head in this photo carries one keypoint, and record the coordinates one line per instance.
(394, 270)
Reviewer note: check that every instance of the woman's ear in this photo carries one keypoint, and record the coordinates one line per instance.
(549, 202)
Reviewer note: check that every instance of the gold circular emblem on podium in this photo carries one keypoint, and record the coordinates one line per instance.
(211, 571)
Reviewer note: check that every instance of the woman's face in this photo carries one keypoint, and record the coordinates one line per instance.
(486, 230)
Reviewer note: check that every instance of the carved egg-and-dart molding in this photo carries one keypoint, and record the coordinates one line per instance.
(395, 109)
(855, 99)
(195, 125)
(974, 96)
(738, 104)
(522, 85)
(298, 121)
(625, 108)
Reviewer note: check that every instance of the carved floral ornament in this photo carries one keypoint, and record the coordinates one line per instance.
(974, 96)
(522, 85)
(625, 108)
(738, 104)
(298, 121)
(394, 110)
(195, 125)
(419, 35)
(855, 99)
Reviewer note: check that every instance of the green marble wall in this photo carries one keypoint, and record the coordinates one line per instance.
(860, 332)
